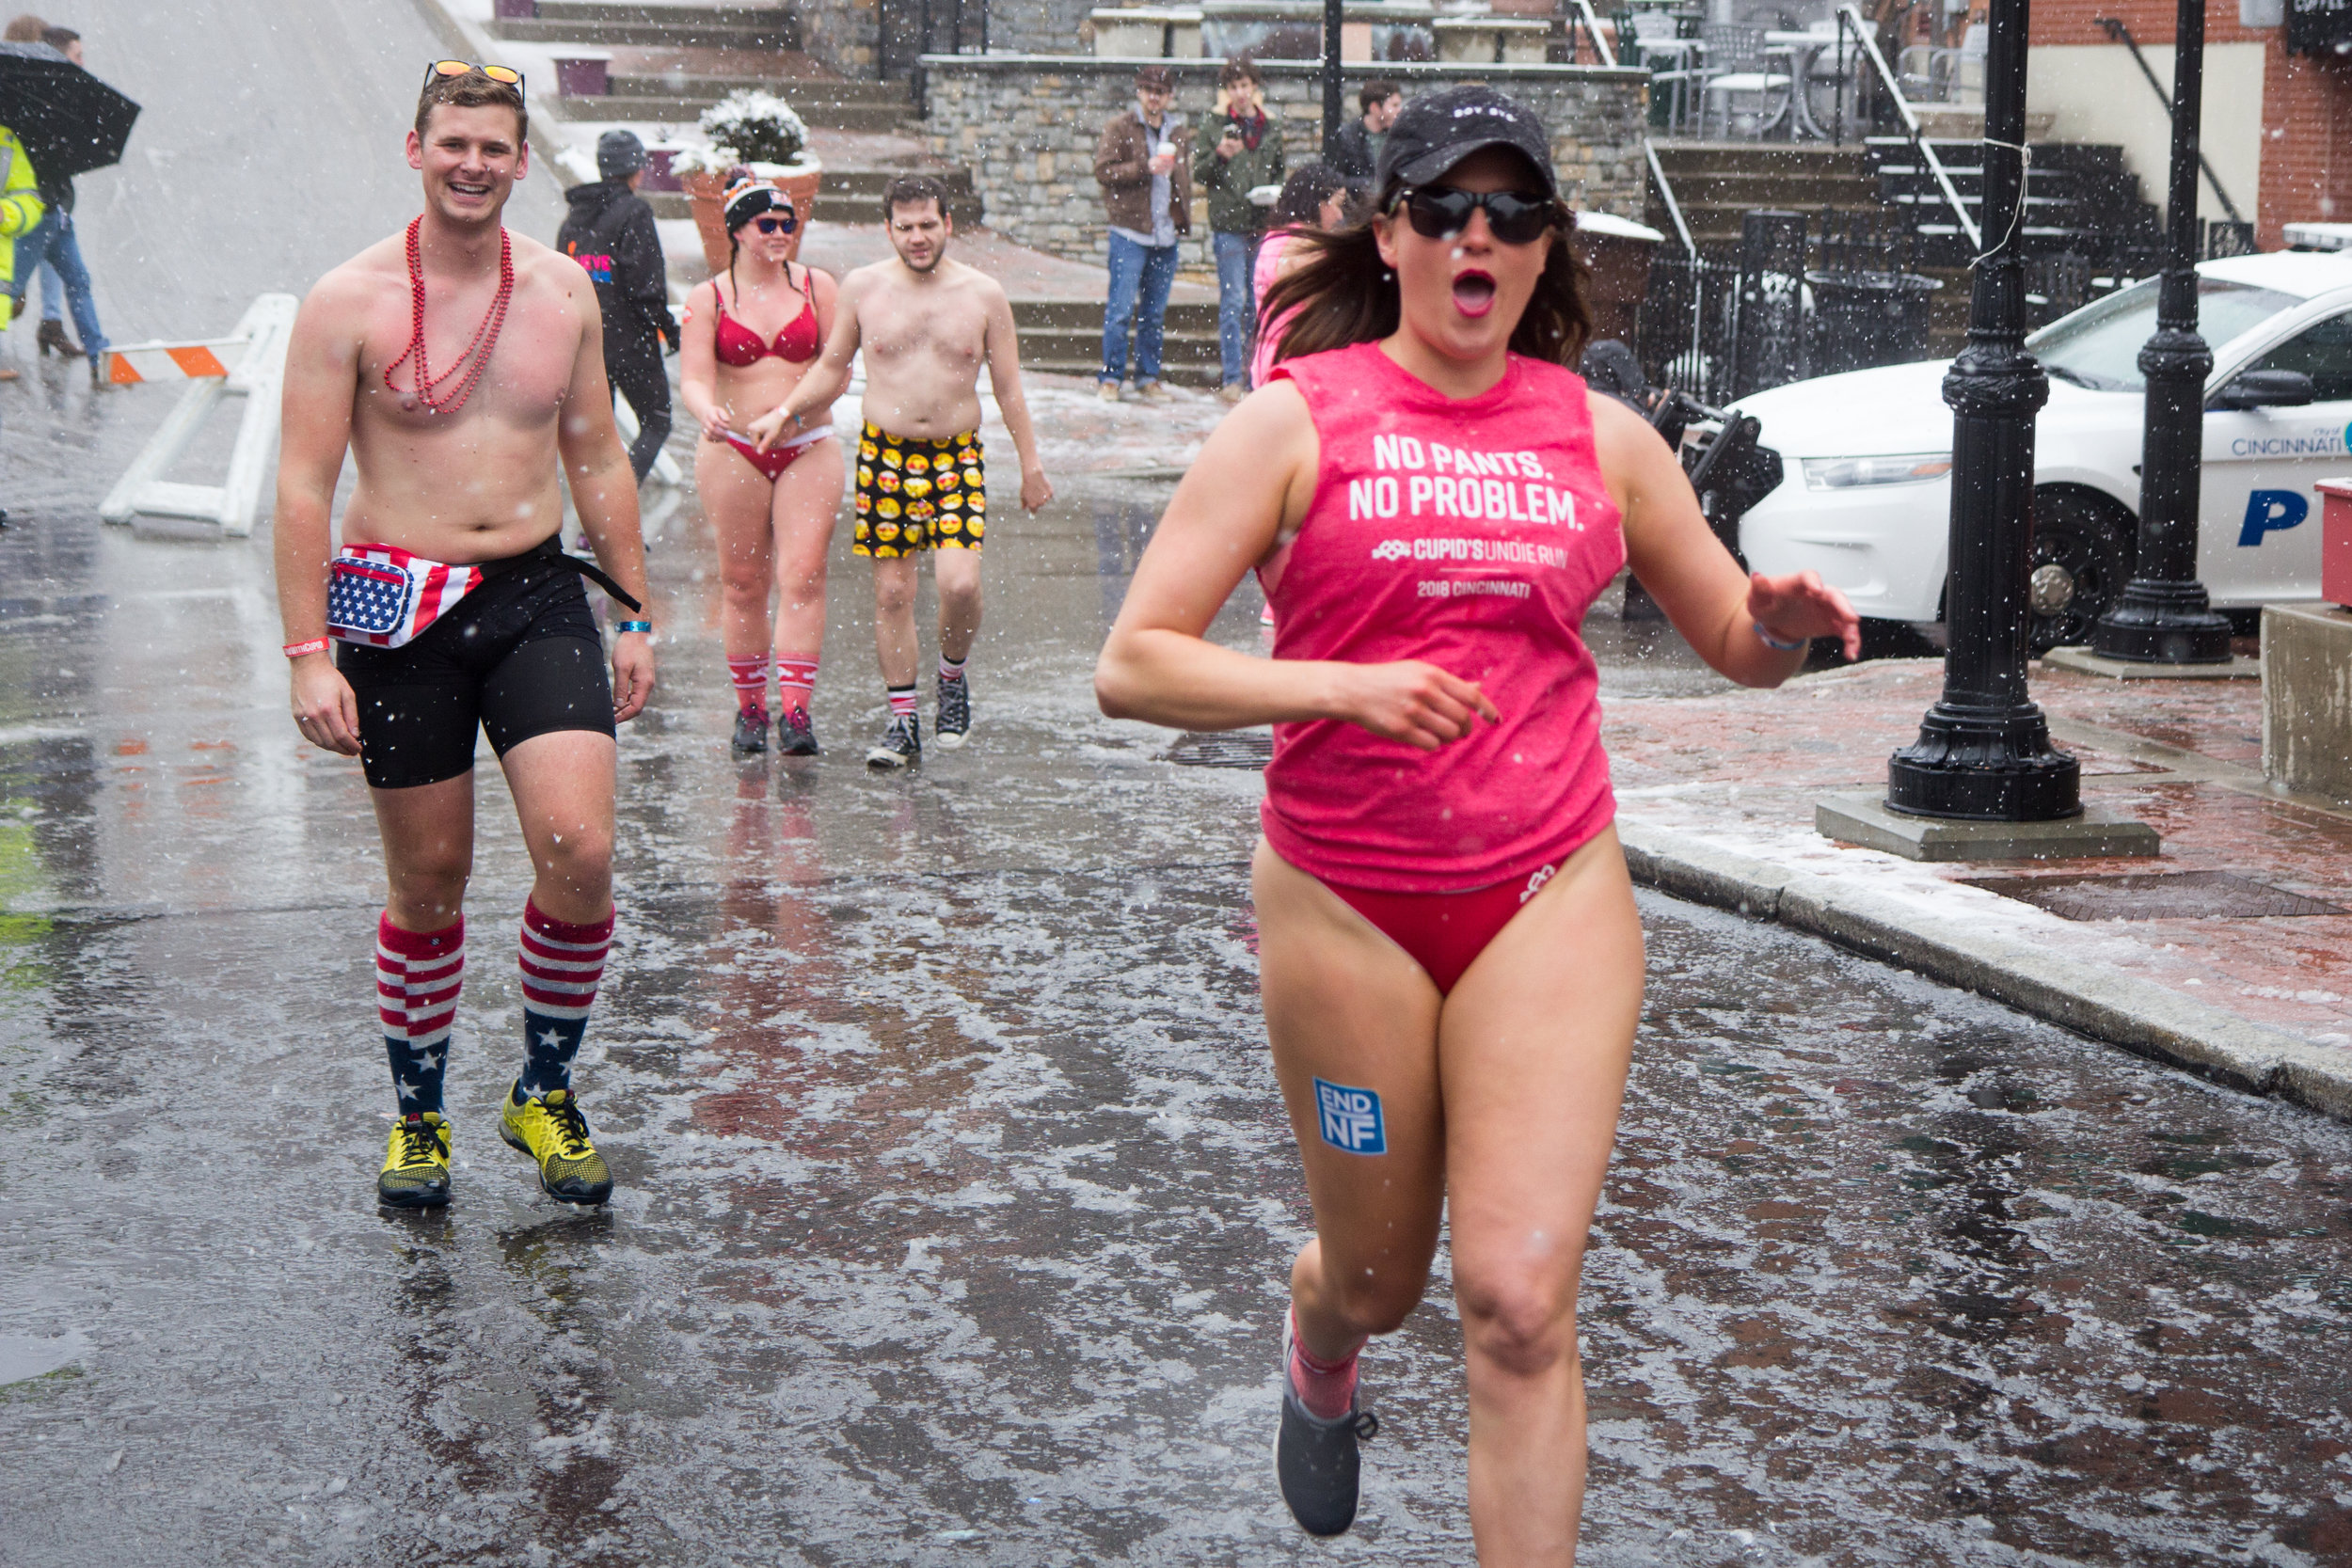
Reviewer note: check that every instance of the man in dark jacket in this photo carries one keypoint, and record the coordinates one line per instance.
(1357, 147)
(610, 232)
(1142, 163)
(1241, 150)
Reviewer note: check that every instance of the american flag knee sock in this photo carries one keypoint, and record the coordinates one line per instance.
(417, 978)
(562, 964)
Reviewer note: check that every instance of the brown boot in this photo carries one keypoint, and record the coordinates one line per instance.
(51, 337)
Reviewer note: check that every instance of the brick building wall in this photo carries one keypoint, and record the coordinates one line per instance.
(2306, 107)
(1026, 126)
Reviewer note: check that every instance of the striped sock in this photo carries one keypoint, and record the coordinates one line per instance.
(562, 964)
(798, 679)
(417, 979)
(1326, 1389)
(750, 676)
(902, 703)
(951, 668)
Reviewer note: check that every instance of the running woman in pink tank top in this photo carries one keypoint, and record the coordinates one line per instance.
(1449, 954)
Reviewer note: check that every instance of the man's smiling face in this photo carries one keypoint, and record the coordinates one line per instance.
(471, 159)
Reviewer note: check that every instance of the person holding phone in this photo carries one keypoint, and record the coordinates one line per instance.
(1243, 152)
(1142, 162)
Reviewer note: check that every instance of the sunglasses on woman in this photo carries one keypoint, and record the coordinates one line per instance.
(1440, 212)
(784, 224)
(503, 73)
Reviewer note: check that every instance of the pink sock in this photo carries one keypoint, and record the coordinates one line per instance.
(797, 677)
(1326, 1389)
(750, 676)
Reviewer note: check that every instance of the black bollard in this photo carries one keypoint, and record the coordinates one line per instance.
(2164, 616)
(1984, 751)
(1334, 24)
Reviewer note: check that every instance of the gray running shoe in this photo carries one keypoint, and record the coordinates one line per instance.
(901, 746)
(796, 735)
(955, 712)
(1315, 1460)
(751, 732)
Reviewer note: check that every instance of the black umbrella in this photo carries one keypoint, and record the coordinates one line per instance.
(70, 121)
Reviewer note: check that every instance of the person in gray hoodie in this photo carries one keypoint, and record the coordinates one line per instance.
(610, 231)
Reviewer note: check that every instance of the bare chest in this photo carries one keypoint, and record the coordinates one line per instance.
(904, 328)
(511, 367)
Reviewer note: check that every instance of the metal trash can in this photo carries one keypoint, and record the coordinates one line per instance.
(1861, 319)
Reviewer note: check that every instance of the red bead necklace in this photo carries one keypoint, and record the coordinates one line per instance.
(485, 339)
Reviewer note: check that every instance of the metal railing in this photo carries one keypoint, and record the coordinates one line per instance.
(1607, 55)
(938, 27)
(1849, 16)
(2119, 32)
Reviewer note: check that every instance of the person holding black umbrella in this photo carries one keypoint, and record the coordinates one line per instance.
(64, 122)
(54, 251)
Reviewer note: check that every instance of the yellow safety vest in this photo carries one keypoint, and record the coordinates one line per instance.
(20, 201)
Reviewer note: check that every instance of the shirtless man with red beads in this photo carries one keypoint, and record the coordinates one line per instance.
(459, 364)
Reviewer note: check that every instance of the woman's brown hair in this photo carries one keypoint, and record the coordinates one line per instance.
(1344, 293)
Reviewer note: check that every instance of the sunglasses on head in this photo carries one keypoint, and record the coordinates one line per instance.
(1514, 218)
(778, 224)
(506, 73)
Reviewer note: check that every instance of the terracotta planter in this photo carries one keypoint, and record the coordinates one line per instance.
(703, 193)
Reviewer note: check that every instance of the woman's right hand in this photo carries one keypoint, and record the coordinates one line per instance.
(325, 710)
(1412, 702)
(714, 422)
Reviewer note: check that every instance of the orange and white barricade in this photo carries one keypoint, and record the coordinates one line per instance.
(249, 363)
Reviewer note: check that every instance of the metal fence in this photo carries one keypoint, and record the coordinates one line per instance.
(1790, 300)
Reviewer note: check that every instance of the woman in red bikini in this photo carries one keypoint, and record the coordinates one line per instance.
(1449, 954)
(747, 339)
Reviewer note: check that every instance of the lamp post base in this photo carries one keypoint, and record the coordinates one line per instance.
(2163, 622)
(1981, 764)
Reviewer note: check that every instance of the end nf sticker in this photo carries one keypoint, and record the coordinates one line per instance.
(1350, 1119)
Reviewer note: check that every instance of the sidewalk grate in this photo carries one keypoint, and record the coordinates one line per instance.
(2158, 896)
(1251, 748)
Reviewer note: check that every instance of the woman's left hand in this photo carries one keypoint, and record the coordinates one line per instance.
(1802, 606)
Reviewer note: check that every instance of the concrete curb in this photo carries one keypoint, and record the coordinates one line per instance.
(2089, 998)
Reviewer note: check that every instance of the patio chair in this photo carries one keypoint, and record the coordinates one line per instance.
(1670, 56)
(1737, 69)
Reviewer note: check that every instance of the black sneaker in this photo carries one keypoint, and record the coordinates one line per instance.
(955, 712)
(1315, 1460)
(901, 746)
(751, 732)
(796, 737)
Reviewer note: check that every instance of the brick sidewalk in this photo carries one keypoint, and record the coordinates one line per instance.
(1740, 771)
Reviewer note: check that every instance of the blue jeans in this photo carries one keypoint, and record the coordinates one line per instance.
(53, 251)
(1236, 301)
(1148, 271)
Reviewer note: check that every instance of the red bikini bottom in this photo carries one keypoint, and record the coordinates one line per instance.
(779, 457)
(1444, 933)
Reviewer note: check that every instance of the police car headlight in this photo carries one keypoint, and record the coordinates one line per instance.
(1850, 473)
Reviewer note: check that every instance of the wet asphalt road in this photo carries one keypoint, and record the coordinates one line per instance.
(954, 1201)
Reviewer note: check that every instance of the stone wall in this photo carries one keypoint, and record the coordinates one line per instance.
(841, 33)
(1026, 125)
(1040, 27)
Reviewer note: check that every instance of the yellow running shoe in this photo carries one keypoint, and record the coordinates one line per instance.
(551, 1130)
(416, 1167)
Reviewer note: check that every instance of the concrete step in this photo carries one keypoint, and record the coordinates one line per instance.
(686, 111)
(696, 26)
(1802, 193)
(801, 92)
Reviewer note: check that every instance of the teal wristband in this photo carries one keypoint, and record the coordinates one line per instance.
(645, 627)
(1775, 643)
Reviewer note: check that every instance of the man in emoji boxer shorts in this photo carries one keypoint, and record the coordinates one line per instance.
(927, 326)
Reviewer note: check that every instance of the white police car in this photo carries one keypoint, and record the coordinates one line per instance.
(1865, 496)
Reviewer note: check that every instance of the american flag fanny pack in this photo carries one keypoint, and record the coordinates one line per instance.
(381, 596)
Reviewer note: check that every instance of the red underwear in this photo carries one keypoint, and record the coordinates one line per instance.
(779, 457)
(1444, 933)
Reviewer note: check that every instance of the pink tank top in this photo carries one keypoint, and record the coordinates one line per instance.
(1472, 536)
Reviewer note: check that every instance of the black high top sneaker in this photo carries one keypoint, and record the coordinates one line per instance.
(1315, 1460)
(901, 746)
(955, 712)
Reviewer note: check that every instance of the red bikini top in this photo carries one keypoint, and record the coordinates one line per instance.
(738, 345)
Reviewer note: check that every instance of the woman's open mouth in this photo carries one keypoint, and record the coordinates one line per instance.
(1474, 293)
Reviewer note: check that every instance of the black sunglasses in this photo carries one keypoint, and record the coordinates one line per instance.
(1441, 212)
(784, 224)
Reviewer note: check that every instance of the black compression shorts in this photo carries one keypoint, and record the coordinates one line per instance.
(519, 656)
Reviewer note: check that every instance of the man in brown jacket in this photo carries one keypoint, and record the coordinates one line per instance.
(1143, 163)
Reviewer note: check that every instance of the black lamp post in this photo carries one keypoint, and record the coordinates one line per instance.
(2164, 616)
(1984, 750)
(1334, 20)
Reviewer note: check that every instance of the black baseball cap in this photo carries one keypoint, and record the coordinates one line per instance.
(1438, 130)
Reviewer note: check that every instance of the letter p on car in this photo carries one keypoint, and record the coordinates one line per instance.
(2269, 511)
